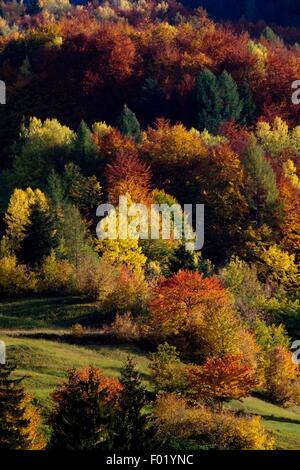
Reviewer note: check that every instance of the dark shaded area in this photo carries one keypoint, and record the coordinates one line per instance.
(272, 11)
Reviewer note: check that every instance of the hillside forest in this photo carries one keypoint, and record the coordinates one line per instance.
(131, 344)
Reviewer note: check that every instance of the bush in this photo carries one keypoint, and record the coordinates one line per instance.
(282, 377)
(57, 276)
(129, 294)
(95, 278)
(124, 328)
(15, 279)
(181, 427)
(78, 330)
(167, 371)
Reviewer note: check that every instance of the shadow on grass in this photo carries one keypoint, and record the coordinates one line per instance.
(96, 338)
(281, 419)
(50, 311)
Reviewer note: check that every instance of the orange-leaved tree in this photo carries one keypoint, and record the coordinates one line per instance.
(198, 309)
(229, 377)
(126, 174)
(282, 377)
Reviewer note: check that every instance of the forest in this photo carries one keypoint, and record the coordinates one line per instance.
(140, 343)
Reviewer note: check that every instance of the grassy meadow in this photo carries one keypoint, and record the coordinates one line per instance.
(25, 325)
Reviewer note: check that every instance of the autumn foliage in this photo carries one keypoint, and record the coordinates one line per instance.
(196, 312)
(87, 376)
(177, 424)
(183, 298)
(155, 101)
(127, 175)
(222, 378)
(282, 377)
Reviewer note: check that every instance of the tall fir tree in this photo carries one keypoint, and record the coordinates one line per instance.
(231, 101)
(56, 190)
(184, 259)
(209, 102)
(19, 420)
(270, 36)
(84, 148)
(151, 101)
(40, 237)
(131, 432)
(128, 124)
(75, 242)
(82, 416)
(261, 186)
(248, 114)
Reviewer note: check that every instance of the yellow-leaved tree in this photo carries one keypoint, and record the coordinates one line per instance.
(177, 424)
(18, 213)
(43, 147)
(277, 137)
(120, 248)
(279, 267)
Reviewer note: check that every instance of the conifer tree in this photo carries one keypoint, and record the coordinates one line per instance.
(262, 191)
(19, 420)
(231, 102)
(131, 430)
(84, 147)
(184, 259)
(128, 124)
(151, 102)
(270, 36)
(56, 190)
(39, 239)
(209, 101)
(248, 113)
(74, 235)
(82, 416)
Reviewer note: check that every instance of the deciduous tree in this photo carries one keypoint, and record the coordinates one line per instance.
(222, 379)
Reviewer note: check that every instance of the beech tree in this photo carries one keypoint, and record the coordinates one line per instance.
(222, 379)
(18, 214)
(127, 174)
(282, 377)
(198, 309)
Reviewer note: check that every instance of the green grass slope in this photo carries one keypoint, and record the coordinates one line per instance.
(283, 423)
(44, 363)
(55, 312)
